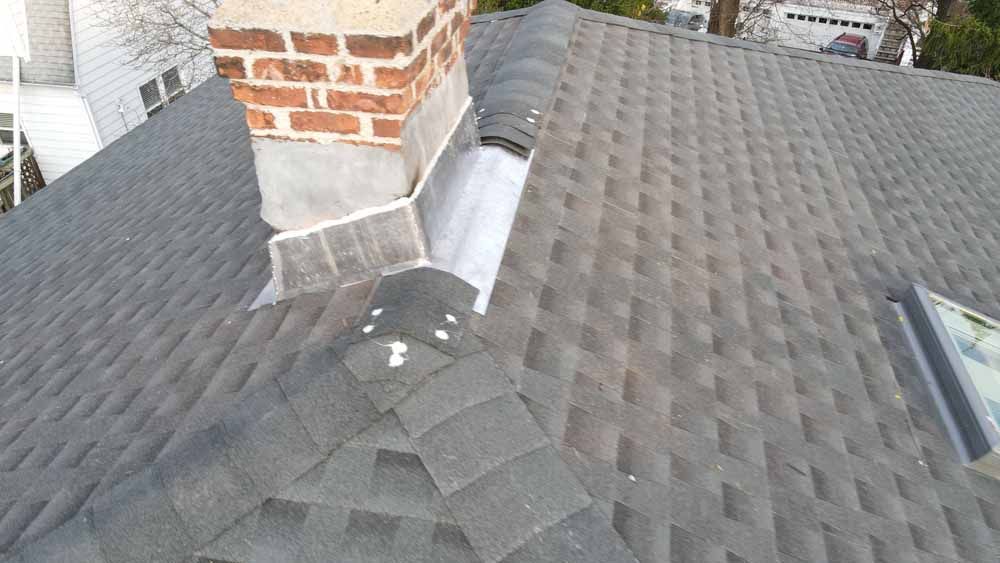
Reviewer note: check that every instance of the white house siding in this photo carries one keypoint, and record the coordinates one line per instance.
(56, 123)
(102, 75)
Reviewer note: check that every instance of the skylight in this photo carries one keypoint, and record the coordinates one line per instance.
(960, 349)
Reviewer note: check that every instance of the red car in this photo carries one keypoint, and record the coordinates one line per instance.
(848, 45)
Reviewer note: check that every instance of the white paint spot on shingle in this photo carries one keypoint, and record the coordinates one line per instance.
(451, 319)
(368, 328)
(530, 120)
(376, 312)
(398, 356)
(536, 112)
(442, 335)
(631, 478)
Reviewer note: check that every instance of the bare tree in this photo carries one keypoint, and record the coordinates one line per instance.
(755, 22)
(722, 18)
(163, 33)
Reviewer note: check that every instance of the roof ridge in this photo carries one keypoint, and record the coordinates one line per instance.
(523, 87)
(622, 21)
(661, 29)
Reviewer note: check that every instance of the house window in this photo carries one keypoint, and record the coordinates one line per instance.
(961, 349)
(802, 17)
(172, 85)
(790, 16)
(7, 131)
(855, 24)
(867, 26)
(844, 23)
(822, 20)
(158, 93)
(151, 99)
(834, 22)
(812, 18)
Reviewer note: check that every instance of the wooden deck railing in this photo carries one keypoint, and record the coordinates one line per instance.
(31, 178)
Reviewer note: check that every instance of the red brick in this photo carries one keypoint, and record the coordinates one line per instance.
(387, 77)
(444, 54)
(426, 25)
(293, 70)
(351, 74)
(257, 119)
(317, 97)
(325, 122)
(446, 5)
(451, 62)
(388, 128)
(230, 67)
(439, 40)
(315, 43)
(386, 146)
(422, 82)
(375, 47)
(456, 21)
(371, 103)
(249, 39)
(269, 95)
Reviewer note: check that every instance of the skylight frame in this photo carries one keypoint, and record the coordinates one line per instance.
(973, 431)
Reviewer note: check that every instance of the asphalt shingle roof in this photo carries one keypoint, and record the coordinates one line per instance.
(689, 355)
(693, 302)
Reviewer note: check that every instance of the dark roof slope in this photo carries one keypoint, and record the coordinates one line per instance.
(697, 359)
(50, 40)
(693, 301)
(123, 326)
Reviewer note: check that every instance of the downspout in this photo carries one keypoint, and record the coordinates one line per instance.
(16, 74)
(76, 76)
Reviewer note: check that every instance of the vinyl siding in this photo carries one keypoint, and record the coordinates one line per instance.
(105, 79)
(56, 123)
(51, 45)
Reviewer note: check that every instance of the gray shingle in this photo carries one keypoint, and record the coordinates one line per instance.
(691, 306)
(476, 440)
(505, 508)
(693, 297)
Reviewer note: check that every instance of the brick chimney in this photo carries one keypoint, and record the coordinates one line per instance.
(351, 105)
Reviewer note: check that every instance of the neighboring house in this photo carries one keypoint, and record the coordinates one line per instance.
(812, 24)
(77, 95)
(693, 349)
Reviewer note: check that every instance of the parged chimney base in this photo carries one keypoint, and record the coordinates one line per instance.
(382, 239)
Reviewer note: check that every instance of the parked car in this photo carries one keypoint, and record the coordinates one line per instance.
(848, 45)
(687, 20)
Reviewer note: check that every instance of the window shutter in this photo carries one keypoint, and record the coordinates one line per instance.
(172, 82)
